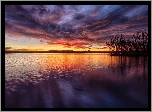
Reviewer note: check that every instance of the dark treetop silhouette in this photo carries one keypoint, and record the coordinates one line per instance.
(137, 45)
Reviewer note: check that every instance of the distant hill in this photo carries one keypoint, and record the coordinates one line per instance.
(58, 51)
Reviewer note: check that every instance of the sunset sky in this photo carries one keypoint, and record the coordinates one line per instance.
(75, 27)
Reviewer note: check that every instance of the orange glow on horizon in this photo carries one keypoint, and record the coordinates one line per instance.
(46, 48)
(54, 47)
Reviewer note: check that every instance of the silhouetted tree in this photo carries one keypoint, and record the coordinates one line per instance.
(138, 43)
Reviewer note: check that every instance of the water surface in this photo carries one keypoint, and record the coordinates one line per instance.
(41, 80)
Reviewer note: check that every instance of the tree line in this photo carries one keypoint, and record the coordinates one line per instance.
(137, 43)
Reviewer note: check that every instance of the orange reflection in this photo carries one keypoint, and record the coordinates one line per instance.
(81, 61)
(41, 66)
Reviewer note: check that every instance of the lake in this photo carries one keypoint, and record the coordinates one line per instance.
(58, 80)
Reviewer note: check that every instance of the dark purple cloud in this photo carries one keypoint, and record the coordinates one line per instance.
(91, 23)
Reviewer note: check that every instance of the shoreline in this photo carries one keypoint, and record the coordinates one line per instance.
(57, 51)
(112, 53)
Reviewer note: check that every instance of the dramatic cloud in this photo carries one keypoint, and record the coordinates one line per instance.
(76, 26)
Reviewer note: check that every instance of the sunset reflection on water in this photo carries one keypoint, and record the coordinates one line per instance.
(75, 80)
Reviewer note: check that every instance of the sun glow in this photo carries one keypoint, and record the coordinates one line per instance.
(52, 47)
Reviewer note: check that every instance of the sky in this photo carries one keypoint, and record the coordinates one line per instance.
(70, 27)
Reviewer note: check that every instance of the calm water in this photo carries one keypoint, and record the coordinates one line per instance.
(40, 80)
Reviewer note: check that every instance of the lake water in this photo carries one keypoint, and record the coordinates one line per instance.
(43, 80)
